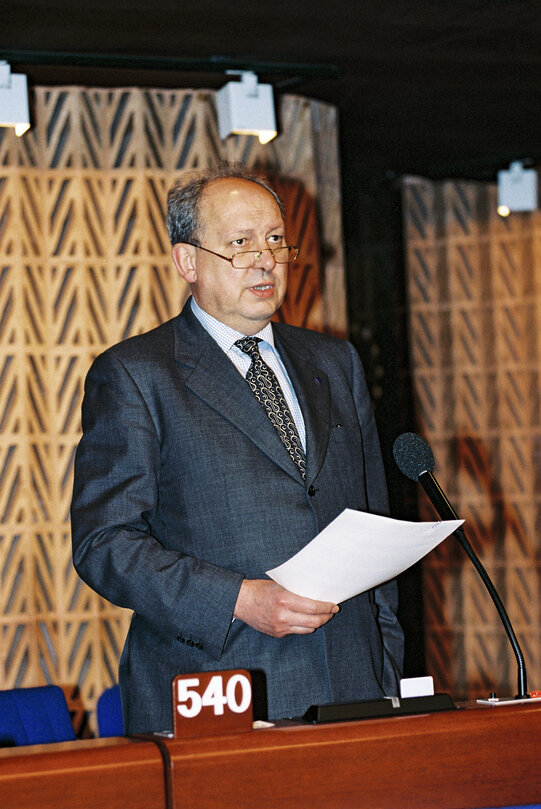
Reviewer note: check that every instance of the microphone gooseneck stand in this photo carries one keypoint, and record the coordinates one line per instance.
(414, 458)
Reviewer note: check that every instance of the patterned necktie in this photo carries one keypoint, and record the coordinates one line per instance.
(268, 392)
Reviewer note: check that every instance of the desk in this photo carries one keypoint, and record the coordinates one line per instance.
(90, 774)
(453, 760)
(464, 758)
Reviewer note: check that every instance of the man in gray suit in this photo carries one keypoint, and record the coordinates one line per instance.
(189, 485)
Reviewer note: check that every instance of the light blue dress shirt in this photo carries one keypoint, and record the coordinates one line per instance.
(226, 337)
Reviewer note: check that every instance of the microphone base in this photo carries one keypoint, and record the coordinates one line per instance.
(507, 700)
(379, 708)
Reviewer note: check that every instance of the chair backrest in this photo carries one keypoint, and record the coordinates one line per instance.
(34, 716)
(109, 712)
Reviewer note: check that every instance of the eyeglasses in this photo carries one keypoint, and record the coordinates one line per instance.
(243, 261)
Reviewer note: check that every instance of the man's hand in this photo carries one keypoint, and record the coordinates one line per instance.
(269, 608)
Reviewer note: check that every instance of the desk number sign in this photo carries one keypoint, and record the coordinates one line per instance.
(212, 702)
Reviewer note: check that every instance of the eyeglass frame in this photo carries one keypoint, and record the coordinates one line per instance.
(258, 254)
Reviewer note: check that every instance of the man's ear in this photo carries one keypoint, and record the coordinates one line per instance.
(184, 260)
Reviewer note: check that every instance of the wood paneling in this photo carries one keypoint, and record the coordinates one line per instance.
(474, 283)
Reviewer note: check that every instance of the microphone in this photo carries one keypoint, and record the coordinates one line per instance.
(415, 460)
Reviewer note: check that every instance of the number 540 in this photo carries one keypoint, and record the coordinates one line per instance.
(190, 700)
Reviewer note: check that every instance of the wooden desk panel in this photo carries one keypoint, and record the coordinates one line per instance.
(92, 774)
(456, 760)
(453, 760)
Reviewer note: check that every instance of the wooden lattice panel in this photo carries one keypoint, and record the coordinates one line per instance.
(85, 262)
(474, 283)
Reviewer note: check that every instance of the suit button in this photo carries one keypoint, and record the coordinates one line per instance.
(198, 646)
(190, 642)
(312, 491)
(181, 639)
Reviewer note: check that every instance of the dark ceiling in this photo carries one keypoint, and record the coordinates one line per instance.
(433, 88)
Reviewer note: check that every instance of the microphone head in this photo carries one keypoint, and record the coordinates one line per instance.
(413, 455)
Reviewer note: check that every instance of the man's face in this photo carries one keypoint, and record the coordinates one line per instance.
(234, 216)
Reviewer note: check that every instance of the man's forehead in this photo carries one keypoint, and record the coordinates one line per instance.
(235, 189)
(228, 197)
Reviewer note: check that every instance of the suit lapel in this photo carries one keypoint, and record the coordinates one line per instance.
(216, 381)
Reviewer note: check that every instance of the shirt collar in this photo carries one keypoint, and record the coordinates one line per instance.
(224, 335)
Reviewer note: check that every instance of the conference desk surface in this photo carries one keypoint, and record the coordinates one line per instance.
(478, 757)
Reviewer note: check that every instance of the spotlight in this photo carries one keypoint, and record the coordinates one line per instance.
(246, 108)
(517, 189)
(13, 100)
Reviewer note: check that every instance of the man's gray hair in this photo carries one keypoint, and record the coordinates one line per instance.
(184, 198)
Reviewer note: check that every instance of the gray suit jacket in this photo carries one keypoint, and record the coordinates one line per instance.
(182, 488)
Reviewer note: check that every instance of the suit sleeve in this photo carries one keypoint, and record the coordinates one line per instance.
(386, 596)
(116, 490)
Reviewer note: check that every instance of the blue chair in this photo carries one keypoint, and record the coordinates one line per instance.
(34, 716)
(109, 713)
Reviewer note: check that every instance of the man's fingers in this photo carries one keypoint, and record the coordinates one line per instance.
(271, 609)
(309, 606)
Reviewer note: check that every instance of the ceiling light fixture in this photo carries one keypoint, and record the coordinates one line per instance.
(246, 107)
(13, 100)
(517, 189)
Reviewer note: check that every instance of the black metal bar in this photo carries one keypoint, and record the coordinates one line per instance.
(211, 64)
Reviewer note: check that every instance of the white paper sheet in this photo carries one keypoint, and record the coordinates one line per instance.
(358, 551)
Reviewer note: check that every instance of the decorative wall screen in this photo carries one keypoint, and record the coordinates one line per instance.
(474, 282)
(84, 262)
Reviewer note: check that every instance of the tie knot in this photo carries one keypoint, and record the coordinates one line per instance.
(249, 345)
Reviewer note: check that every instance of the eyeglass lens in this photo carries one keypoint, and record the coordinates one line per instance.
(282, 255)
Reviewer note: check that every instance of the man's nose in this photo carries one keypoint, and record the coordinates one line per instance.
(265, 260)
